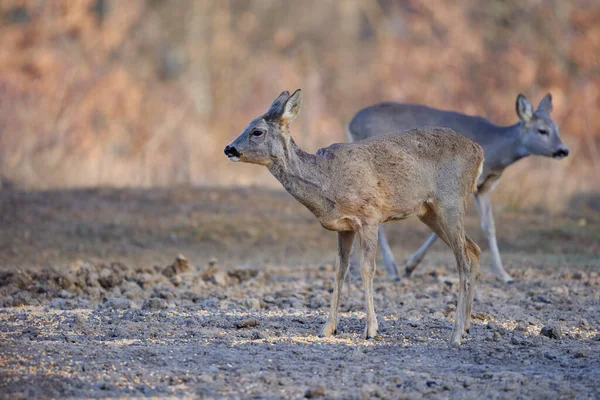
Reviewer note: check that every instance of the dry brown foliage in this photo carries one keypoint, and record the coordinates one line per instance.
(148, 92)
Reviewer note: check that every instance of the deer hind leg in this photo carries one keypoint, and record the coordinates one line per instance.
(473, 255)
(447, 223)
(368, 239)
(345, 241)
(388, 256)
(418, 255)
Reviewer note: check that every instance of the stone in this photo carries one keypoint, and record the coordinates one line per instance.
(252, 304)
(247, 323)
(552, 331)
(116, 303)
(315, 392)
(180, 265)
(154, 303)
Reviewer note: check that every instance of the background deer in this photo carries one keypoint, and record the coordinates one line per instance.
(535, 134)
(354, 187)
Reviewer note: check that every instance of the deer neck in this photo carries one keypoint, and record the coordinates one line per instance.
(506, 148)
(303, 176)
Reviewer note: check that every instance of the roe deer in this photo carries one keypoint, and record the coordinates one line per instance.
(535, 134)
(353, 187)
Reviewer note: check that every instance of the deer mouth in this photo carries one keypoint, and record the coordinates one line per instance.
(232, 153)
(560, 154)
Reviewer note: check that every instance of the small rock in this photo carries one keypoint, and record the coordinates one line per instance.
(154, 303)
(108, 279)
(23, 298)
(176, 280)
(580, 275)
(269, 299)
(479, 316)
(242, 275)
(522, 326)
(131, 290)
(252, 304)
(315, 392)
(256, 335)
(116, 303)
(65, 304)
(552, 331)
(65, 294)
(212, 302)
(216, 276)
(580, 354)
(496, 327)
(180, 265)
(31, 332)
(219, 278)
(584, 324)
(247, 323)
(370, 392)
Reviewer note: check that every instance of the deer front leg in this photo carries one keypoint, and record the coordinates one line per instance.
(418, 255)
(345, 240)
(484, 207)
(368, 238)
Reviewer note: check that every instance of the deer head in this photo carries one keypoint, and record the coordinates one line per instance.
(267, 138)
(539, 134)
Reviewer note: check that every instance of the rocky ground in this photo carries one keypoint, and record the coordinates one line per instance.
(221, 293)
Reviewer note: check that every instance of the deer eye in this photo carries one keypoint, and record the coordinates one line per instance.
(542, 131)
(257, 133)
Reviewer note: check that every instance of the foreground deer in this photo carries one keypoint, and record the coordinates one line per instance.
(535, 134)
(353, 187)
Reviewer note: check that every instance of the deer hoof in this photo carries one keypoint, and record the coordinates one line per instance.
(327, 333)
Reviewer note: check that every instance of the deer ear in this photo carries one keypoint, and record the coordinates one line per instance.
(546, 104)
(277, 107)
(524, 108)
(292, 106)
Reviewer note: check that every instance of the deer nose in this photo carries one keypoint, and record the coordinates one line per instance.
(231, 151)
(561, 153)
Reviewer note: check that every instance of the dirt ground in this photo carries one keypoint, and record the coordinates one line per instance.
(94, 302)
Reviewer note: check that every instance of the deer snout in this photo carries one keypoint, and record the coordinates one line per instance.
(561, 153)
(232, 153)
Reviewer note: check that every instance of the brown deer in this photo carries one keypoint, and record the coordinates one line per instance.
(352, 188)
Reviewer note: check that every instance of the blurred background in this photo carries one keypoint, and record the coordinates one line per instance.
(147, 93)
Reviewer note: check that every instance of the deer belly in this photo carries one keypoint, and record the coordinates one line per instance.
(342, 224)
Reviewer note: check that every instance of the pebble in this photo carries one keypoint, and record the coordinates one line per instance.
(154, 303)
(65, 294)
(116, 303)
(180, 265)
(247, 323)
(315, 392)
(252, 304)
(584, 324)
(552, 331)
